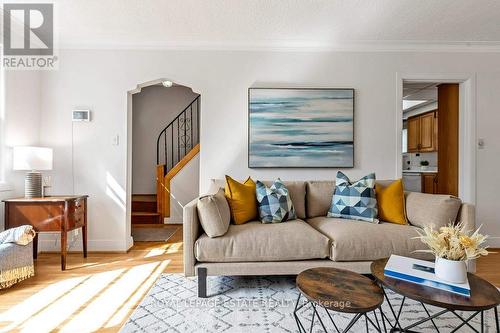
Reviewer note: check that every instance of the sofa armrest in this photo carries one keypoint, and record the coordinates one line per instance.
(21, 235)
(191, 231)
(13, 255)
(467, 216)
(16, 263)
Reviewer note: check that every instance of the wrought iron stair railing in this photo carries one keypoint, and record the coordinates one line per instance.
(179, 137)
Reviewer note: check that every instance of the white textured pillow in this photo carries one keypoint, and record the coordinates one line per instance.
(214, 214)
(22, 235)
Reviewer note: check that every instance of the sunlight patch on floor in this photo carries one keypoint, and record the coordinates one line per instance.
(154, 253)
(134, 299)
(174, 248)
(102, 308)
(86, 303)
(21, 312)
(63, 308)
(167, 249)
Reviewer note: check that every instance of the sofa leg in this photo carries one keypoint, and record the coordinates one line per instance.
(202, 282)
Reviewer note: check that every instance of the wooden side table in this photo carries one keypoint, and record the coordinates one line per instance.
(484, 296)
(49, 214)
(339, 290)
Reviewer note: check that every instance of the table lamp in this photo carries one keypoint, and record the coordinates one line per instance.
(33, 159)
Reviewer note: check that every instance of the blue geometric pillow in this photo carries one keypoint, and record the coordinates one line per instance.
(355, 201)
(274, 203)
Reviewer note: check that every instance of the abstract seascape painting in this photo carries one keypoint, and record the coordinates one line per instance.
(300, 128)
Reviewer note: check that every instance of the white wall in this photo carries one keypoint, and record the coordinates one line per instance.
(488, 159)
(184, 187)
(101, 79)
(22, 119)
(153, 109)
(21, 126)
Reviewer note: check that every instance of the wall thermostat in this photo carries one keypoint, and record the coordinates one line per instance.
(81, 115)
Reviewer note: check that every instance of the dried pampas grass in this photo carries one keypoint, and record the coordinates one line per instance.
(453, 242)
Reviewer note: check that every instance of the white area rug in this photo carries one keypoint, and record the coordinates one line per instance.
(253, 304)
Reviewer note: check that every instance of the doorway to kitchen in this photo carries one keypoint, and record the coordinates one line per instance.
(430, 137)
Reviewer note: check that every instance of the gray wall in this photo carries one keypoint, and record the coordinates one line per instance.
(152, 109)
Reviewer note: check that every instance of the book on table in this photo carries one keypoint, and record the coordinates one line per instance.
(421, 272)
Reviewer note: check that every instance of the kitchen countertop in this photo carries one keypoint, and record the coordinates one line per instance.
(420, 171)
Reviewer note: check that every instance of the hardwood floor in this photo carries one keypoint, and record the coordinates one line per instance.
(489, 267)
(94, 294)
(100, 292)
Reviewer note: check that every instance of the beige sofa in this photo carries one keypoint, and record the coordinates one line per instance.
(312, 239)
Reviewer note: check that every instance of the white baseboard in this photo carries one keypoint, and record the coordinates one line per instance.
(53, 244)
(130, 242)
(494, 242)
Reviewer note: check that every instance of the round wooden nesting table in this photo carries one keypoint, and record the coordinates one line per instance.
(338, 290)
(483, 296)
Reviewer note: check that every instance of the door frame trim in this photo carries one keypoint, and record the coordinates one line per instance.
(467, 126)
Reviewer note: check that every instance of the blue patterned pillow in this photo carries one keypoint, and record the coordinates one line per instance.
(274, 203)
(355, 201)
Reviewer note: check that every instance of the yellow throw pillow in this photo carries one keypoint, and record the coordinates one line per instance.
(242, 200)
(391, 202)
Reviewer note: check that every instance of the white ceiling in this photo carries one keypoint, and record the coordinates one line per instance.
(426, 92)
(420, 90)
(235, 24)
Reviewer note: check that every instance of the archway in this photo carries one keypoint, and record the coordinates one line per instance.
(163, 122)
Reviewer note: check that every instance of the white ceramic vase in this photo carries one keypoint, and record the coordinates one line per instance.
(454, 271)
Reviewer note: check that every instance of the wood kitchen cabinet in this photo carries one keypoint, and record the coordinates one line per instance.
(429, 183)
(422, 133)
(413, 133)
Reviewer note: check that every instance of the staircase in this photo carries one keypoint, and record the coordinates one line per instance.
(144, 209)
(176, 145)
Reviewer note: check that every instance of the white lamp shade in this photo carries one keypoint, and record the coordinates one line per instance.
(32, 158)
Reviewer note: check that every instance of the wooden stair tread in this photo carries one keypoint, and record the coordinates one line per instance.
(144, 197)
(146, 218)
(145, 214)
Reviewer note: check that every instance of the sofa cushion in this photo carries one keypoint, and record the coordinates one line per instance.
(437, 210)
(357, 240)
(319, 195)
(297, 190)
(254, 241)
(214, 213)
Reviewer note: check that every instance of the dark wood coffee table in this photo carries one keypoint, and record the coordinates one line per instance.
(484, 296)
(338, 290)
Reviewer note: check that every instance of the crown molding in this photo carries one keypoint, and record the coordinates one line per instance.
(295, 46)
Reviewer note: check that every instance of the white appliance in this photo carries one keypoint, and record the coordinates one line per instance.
(412, 181)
